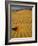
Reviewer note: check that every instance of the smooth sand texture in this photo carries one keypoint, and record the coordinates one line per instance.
(22, 20)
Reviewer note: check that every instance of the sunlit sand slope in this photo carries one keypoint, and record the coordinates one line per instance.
(22, 21)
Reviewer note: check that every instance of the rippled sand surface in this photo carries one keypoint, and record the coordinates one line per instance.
(22, 21)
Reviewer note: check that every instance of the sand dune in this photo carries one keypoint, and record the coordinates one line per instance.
(22, 20)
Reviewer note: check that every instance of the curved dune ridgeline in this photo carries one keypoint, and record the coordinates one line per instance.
(21, 24)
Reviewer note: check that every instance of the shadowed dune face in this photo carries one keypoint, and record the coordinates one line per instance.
(21, 24)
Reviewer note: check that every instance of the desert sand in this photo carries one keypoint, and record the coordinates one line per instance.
(22, 20)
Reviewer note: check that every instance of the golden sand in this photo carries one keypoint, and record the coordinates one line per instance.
(21, 19)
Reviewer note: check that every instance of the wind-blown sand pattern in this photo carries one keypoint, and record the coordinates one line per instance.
(21, 24)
